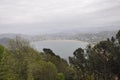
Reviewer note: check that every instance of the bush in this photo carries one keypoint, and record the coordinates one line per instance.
(60, 76)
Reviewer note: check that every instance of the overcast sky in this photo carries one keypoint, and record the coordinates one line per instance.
(52, 16)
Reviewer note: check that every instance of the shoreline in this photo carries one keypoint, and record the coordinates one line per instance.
(50, 40)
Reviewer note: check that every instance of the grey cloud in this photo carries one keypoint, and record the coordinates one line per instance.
(34, 16)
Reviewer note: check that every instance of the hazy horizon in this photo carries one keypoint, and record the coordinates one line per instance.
(55, 16)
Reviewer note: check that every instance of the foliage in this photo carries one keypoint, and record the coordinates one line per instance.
(60, 63)
(1, 51)
(42, 70)
(102, 61)
(60, 76)
(19, 61)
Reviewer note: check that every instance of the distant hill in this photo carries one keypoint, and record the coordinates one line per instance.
(4, 41)
(88, 37)
(12, 36)
(5, 38)
(96, 37)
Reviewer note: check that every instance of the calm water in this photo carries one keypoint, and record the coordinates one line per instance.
(63, 48)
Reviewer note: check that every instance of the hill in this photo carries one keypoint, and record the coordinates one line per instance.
(87, 37)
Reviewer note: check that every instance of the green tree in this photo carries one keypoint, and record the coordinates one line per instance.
(79, 62)
(60, 76)
(15, 60)
(42, 70)
(1, 51)
(102, 61)
(60, 63)
(104, 58)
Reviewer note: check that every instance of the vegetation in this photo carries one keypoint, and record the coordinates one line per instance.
(101, 62)
(19, 61)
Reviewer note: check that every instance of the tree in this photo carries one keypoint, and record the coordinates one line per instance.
(60, 76)
(41, 70)
(48, 51)
(1, 51)
(106, 56)
(16, 59)
(118, 36)
(79, 62)
(60, 63)
(7, 67)
(102, 61)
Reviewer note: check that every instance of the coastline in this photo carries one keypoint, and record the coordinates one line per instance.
(59, 40)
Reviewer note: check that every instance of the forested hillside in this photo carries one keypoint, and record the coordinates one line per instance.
(19, 61)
